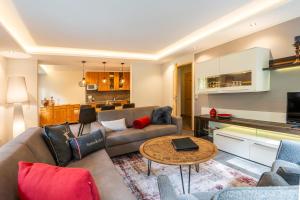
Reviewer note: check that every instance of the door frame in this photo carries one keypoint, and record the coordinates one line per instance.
(176, 88)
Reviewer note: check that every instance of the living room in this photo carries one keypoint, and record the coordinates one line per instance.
(105, 101)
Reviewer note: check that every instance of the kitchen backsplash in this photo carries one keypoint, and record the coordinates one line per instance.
(104, 96)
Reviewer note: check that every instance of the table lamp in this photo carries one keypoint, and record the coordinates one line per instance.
(16, 95)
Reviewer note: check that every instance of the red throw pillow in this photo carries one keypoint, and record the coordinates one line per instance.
(38, 181)
(141, 122)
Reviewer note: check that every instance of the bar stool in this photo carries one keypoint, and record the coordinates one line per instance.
(108, 107)
(128, 105)
(87, 115)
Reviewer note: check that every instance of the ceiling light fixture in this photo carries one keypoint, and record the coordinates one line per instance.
(11, 21)
(82, 83)
(104, 80)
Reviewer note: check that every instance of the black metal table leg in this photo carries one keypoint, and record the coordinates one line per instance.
(197, 167)
(189, 186)
(149, 167)
(181, 179)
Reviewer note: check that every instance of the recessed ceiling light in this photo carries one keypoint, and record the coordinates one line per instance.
(15, 54)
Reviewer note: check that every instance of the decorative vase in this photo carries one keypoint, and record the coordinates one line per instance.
(213, 113)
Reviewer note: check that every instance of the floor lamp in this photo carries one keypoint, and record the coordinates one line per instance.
(16, 95)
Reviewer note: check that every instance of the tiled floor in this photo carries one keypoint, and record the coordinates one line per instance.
(248, 167)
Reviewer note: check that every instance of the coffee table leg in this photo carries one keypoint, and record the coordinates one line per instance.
(181, 179)
(189, 179)
(197, 168)
(149, 167)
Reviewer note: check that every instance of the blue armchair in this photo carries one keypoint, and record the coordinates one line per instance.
(282, 192)
(285, 170)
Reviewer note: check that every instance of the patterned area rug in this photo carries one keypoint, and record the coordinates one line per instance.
(213, 176)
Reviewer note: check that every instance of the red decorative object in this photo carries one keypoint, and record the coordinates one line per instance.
(141, 123)
(42, 181)
(225, 116)
(213, 112)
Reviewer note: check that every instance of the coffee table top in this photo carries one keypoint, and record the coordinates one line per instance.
(162, 151)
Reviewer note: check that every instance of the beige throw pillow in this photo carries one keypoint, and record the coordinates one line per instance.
(115, 125)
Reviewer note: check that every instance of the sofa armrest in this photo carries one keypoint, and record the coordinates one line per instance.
(271, 179)
(176, 120)
(290, 174)
(289, 151)
(166, 190)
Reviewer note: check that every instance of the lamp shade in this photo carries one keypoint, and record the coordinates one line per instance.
(16, 90)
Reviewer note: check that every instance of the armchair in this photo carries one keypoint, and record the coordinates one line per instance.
(287, 163)
(277, 192)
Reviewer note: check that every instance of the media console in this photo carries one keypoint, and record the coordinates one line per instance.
(251, 139)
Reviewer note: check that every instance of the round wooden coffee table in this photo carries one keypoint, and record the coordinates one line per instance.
(161, 150)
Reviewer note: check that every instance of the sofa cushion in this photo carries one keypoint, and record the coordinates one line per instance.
(290, 175)
(56, 137)
(129, 114)
(86, 144)
(33, 139)
(124, 137)
(42, 181)
(162, 115)
(160, 130)
(108, 180)
(10, 154)
(115, 125)
(133, 135)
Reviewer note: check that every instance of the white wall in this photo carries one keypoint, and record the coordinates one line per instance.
(146, 84)
(28, 69)
(4, 136)
(61, 83)
(167, 76)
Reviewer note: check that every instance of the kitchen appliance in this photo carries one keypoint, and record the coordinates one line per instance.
(293, 108)
(92, 87)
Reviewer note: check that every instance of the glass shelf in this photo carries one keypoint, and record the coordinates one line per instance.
(234, 80)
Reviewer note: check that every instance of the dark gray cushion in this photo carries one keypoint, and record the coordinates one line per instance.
(86, 144)
(56, 138)
(271, 179)
(289, 174)
(162, 115)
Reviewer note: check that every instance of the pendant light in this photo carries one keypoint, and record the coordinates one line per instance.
(104, 80)
(122, 80)
(82, 83)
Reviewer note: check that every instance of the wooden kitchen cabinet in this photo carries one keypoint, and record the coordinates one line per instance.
(103, 86)
(92, 77)
(53, 115)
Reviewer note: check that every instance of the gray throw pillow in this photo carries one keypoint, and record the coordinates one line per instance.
(290, 174)
(56, 138)
(86, 144)
(162, 115)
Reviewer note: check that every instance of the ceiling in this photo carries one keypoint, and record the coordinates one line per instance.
(118, 25)
(55, 31)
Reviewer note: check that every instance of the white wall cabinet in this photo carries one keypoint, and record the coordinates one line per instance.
(233, 73)
(255, 148)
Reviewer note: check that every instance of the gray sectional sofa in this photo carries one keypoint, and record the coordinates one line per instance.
(30, 147)
(121, 142)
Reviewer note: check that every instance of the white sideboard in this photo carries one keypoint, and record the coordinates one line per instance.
(246, 144)
(233, 73)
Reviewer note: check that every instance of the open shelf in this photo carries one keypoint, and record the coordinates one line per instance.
(281, 63)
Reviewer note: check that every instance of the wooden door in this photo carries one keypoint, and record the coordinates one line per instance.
(127, 81)
(103, 86)
(188, 93)
(73, 113)
(91, 77)
(117, 81)
(59, 114)
(46, 116)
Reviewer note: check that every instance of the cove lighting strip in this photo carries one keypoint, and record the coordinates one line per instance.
(12, 22)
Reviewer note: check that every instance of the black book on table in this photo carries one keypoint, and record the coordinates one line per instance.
(184, 144)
